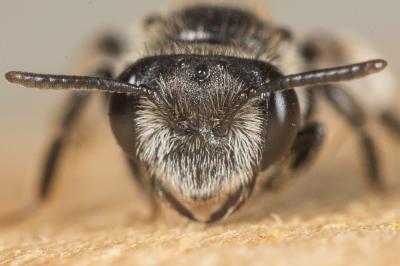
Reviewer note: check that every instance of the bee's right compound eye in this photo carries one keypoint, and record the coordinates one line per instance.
(122, 114)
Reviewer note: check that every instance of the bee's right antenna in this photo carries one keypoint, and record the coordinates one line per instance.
(64, 82)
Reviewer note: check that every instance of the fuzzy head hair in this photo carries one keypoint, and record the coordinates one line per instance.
(187, 142)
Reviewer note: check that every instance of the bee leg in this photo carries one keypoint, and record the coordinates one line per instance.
(391, 122)
(348, 108)
(145, 187)
(305, 148)
(307, 145)
(109, 46)
(73, 109)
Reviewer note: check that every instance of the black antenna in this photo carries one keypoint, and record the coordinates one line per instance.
(311, 78)
(45, 81)
(318, 77)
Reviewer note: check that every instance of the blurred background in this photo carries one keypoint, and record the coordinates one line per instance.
(44, 36)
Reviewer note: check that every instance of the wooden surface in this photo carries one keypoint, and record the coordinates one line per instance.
(364, 233)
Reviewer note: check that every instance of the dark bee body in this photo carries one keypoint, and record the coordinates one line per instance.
(209, 111)
(203, 28)
(216, 25)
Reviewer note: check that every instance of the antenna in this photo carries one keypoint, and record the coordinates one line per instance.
(64, 82)
(319, 77)
(310, 78)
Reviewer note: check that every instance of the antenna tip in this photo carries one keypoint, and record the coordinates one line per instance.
(10, 76)
(379, 64)
(14, 76)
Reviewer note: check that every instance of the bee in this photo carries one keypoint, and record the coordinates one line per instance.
(221, 102)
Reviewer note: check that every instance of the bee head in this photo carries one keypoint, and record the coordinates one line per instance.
(195, 137)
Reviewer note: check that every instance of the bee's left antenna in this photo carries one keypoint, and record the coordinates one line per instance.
(311, 78)
(321, 77)
(46, 81)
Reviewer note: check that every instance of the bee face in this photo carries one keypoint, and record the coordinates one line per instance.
(196, 143)
(188, 137)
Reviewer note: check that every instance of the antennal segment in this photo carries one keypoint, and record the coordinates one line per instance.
(45, 81)
(321, 77)
(311, 78)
